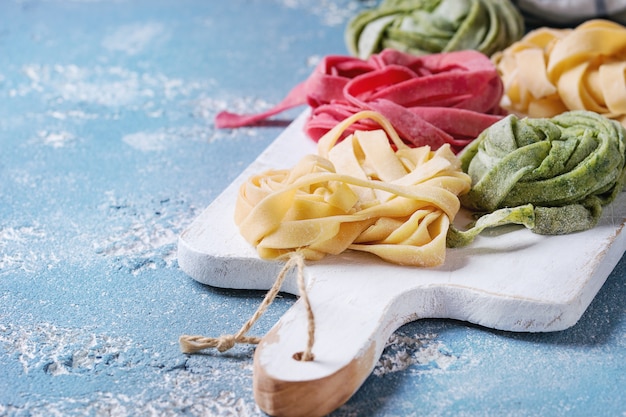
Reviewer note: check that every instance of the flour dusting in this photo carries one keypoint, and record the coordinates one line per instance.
(140, 238)
(166, 138)
(15, 249)
(55, 139)
(133, 38)
(147, 141)
(331, 12)
(402, 352)
(177, 402)
(208, 107)
(19, 234)
(145, 236)
(60, 351)
(71, 114)
(108, 86)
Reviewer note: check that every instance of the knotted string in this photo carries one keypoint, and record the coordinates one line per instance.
(196, 343)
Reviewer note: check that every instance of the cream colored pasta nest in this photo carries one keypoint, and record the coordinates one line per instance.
(370, 193)
(551, 71)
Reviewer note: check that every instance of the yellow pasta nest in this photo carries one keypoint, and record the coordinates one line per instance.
(551, 71)
(358, 194)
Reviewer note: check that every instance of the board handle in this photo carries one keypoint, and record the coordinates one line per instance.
(350, 335)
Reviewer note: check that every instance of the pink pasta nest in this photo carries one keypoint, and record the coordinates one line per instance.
(430, 100)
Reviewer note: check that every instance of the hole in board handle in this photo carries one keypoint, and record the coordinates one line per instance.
(299, 356)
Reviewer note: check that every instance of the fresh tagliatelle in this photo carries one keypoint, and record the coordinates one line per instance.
(430, 100)
(430, 26)
(550, 71)
(358, 194)
(553, 175)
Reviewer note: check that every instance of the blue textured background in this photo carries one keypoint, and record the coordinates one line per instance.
(107, 152)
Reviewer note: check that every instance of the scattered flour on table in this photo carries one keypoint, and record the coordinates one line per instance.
(167, 138)
(19, 235)
(16, 251)
(207, 107)
(148, 141)
(75, 1)
(403, 352)
(73, 352)
(173, 404)
(145, 236)
(71, 114)
(139, 238)
(108, 86)
(187, 390)
(60, 351)
(58, 139)
(134, 38)
(331, 12)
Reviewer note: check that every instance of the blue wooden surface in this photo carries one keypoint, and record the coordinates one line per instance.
(108, 151)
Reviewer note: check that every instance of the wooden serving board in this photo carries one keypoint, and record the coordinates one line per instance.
(508, 279)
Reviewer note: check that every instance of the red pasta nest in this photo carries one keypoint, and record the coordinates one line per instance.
(430, 100)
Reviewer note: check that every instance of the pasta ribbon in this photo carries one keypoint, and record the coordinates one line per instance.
(431, 26)
(552, 175)
(430, 100)
(358, 194)
(550, 71)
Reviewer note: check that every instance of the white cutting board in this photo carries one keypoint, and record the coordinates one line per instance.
(509, 279)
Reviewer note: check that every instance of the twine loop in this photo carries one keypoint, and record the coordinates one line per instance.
(223, 343)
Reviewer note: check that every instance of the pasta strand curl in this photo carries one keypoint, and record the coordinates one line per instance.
(358, 194)
(550, 71)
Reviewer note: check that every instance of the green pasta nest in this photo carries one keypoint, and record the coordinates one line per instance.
(551, 175)
(432, 26)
